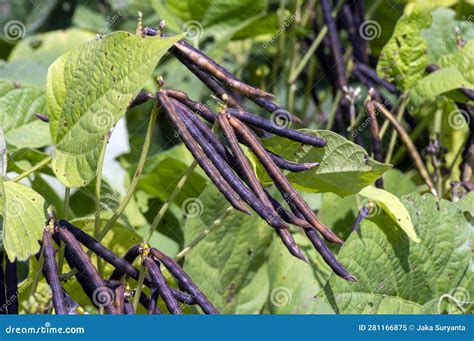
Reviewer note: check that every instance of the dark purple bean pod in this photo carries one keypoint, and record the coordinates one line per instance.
(370, 73)
(291, 166)
(101, 250)
(327, 255)
(41, 117)
(153, 308)
(359, 46)
(142, 97)
(290, 244)
(363, 212)
(273, 108)
(287, 216)
(50, 272)
(128, 307)
(335, 44)
(11, 280)
(282, 183)
(3, 299)
(208, 80)
(87, 274)
(272, 127)
(208, 65)
(209, 168)
(119, 291)
(202, 109)
(228, 174)
(159, 283)
(183, 279)
(129, 257)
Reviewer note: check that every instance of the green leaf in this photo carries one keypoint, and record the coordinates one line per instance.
(404, 58)
(438, 83)
(345, 167)
(441, 35)
(21, 127)
(24, 220)
(38, 52)
(393, 207)
(230, 258)
(414, 276)
(291, 293)
(88, 90)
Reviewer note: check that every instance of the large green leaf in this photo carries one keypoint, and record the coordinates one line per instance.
(230, 258)
(23, 220)
(88, 90)
(404, 58)
(415, 276)
(17, 105)
(345, 167)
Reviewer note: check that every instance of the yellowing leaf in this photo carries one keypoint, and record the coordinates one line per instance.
(393, 207)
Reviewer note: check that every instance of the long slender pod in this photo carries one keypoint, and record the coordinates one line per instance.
(208, 80)
(289, 165)
(100, 250)
(288, 192)
(159, 283)
(128, 307)
(50, 272)
(327, 255)
(274, 128)
(183, 279)
(208, 65)
(209, 168)
(93, 285)
(153, 308)
(11, 280)
(118, 294)
(129, 257)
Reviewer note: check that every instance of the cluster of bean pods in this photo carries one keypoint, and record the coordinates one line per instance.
(224, 160)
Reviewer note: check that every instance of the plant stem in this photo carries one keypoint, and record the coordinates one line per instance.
(98, 185)
(40, 264)
(62, 245)
(393, 138)
(138, 292)
(335, 105)
(412, 151)
(33, 169)
(136, 176)
(169, 201)
(204, 233)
